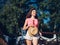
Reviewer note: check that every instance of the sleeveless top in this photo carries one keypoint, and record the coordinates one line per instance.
(34, 22)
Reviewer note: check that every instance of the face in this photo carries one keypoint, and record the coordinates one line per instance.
(33, 13)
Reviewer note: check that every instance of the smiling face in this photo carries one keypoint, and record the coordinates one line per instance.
(33, 13)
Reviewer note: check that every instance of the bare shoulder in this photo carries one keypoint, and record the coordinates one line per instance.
(27, 18)
(36, 19)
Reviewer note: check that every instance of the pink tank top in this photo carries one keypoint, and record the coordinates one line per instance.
(32, 22)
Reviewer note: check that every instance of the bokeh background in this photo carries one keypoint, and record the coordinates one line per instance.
(13, 14)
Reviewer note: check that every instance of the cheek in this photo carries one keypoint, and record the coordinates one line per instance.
(33, 13)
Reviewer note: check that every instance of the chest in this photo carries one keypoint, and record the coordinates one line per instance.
(33, 22)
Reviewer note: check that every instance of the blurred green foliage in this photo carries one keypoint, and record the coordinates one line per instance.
(12, 11)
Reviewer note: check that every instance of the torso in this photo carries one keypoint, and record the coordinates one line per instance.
(30, 22)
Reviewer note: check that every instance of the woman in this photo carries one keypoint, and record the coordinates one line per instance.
(29, 22)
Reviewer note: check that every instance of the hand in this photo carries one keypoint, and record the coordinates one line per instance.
(25, 28)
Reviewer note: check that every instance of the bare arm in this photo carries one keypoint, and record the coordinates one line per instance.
(25, 25)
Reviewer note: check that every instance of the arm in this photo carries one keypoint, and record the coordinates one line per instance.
(25, 25)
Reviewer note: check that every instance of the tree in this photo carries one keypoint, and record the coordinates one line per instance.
(10, 15)
(53, 7)
(13, 11)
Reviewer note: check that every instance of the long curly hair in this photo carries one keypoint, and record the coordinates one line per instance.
(29, 13)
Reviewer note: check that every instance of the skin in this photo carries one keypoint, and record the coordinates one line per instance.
(34, 41)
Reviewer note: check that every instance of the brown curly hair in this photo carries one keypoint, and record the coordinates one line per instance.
(29, 13)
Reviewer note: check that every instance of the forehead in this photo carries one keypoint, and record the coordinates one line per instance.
(33, 10)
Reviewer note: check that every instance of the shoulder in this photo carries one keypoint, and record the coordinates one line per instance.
(36, 19)
(27, 19)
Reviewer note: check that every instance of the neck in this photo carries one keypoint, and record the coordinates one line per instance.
(32, 17)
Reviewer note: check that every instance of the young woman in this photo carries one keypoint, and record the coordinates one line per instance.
(29, 22)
